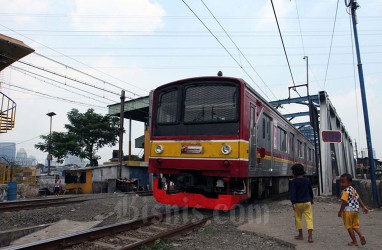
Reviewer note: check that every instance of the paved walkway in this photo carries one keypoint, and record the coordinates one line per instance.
(329, 231)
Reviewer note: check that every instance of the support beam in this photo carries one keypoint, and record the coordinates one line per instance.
(314, 98)
(301, 124)
(299, 114)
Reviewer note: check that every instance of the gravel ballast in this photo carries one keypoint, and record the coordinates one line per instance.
(219, 233)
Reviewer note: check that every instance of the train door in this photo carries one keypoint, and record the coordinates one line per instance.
(252, 139)
(264, 142)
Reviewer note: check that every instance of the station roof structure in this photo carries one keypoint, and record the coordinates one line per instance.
(12, 50)
(135, 109)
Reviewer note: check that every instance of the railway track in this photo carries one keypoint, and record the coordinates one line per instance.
(12, 206)
(141, 193)
(128, 235)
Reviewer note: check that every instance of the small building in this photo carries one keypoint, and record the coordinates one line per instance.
(104, 179)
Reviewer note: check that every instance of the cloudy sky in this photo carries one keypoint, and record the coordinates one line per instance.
(138, 45)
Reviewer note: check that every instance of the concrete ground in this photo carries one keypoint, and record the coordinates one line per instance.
(58, 229)
(329, 232)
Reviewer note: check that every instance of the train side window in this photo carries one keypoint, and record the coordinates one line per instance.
(263, 128)
(299, 149)
(281, 134)
(291, 144)
(275, 138)
(310, 154)
(305, 152)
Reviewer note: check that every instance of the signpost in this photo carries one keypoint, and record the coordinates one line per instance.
(332, 136)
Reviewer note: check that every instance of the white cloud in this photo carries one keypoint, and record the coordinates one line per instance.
(143, 15)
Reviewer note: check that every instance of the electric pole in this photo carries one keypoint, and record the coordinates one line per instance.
(353, 5)
(121, 118)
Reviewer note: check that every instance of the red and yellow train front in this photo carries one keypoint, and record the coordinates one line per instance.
(197, 153)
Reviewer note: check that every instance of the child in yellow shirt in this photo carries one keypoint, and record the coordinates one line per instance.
(349, 209)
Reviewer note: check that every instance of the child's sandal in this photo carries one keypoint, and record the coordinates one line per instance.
(363, 240)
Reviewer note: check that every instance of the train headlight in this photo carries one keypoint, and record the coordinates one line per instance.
(159, 149)
(226, 149)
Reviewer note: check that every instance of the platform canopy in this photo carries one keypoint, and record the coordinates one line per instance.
(12, 50)
(135, 109)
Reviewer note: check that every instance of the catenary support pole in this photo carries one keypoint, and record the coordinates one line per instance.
(121, 130)
(353, 5)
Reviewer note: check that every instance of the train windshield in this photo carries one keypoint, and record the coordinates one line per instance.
(210, 103)
(202, 108)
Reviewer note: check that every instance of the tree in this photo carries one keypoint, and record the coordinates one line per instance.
(86, 133)
(58, 144)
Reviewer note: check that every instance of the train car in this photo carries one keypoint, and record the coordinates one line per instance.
(215, 142)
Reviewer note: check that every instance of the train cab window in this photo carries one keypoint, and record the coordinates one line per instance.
(299, 149)
(211, 103)
(168, 107)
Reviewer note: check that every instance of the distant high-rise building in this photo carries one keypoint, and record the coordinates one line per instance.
(24, 160)
(8, 151)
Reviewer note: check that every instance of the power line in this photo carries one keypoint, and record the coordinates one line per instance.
(28, 73)
(207, 55)
(202, 48)
(217, 39)
(65, 84)
(61, 75)
(73, 58)
(98, 16)
(79, 71)
(331, 43)
(55, 97)
(282, 41)
(20, 69)
(250, 64)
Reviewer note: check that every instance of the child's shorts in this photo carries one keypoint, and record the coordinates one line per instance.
(351, 220)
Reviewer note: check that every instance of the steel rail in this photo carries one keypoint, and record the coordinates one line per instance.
(93, 234)
(28, 206)
(167, 234)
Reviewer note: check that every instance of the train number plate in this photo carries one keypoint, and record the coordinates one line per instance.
(191, 149)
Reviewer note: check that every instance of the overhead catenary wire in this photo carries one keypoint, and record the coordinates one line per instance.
(237, 47)
(217, 39)
(331, 43)
(299, 25)
(282, 41)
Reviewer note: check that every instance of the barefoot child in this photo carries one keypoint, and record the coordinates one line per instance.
(349, 209)
(302, 199)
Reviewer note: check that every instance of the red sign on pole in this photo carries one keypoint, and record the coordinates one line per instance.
(332, 136)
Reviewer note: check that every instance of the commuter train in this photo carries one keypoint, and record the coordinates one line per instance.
(215, 142)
